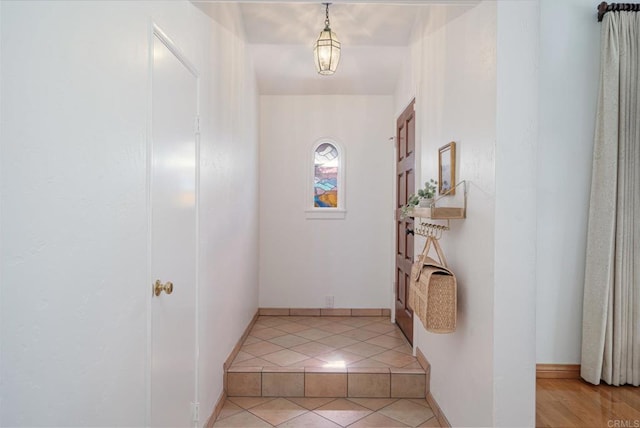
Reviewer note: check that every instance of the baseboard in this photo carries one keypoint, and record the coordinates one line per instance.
(325, 312)
(216, 410)
(557, 371)
(426, 366)
(227, 363)
(442, 419)
(437, 410)
(236, 349)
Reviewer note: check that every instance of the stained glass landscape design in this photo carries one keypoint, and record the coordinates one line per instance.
(325, 183)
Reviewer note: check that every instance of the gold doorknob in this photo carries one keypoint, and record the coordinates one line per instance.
(159, 287)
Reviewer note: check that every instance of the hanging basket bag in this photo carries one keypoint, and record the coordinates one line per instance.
(433, 291)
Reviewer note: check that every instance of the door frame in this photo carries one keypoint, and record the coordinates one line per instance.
(154, 31)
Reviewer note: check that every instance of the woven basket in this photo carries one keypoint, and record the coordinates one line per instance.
(433, 295)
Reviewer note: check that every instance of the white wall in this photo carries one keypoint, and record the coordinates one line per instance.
(229, 199)
(301, 260)
(515, 222)
(74, 213)
(569, 78)
(452, 73)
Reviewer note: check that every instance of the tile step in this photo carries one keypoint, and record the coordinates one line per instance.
(326, 382)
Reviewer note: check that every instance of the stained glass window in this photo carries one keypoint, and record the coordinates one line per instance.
(325, 178)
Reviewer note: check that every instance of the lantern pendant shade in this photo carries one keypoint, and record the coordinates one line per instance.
(326, 52)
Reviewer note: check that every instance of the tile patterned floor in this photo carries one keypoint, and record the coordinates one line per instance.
(325, 413)
(336, 342)
(295, 343)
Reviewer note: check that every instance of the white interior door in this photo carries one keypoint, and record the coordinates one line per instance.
(173, 237)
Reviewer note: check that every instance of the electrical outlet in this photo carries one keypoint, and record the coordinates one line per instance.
(328, 301)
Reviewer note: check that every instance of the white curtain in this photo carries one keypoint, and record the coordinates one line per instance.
(611, 314)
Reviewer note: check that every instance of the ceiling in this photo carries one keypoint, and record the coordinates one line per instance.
(374, 36)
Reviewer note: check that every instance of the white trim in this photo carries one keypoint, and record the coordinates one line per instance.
(325, 213)
(196, 320)
(315, 213)
(174, 49)
(149, 147)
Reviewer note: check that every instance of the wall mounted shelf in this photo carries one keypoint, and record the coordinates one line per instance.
(439, 213)
(443, 213)
(425, 228)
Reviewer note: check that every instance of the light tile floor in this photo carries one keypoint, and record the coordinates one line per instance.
(333, 342)
(325, 413)
(336, 342)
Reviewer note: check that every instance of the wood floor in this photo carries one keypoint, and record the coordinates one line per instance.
(575, 403)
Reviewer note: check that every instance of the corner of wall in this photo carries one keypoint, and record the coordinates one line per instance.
(453, 68)
(515, 236)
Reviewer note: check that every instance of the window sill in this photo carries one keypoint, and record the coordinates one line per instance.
(325, 214)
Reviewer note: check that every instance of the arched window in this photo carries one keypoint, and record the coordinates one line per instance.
(326, 163)
(328, 181)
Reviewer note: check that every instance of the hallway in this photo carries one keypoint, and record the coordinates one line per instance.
(79, 322)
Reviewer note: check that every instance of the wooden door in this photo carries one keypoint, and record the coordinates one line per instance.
(405, 186)
(173, 237)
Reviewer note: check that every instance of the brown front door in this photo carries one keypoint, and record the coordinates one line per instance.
(405, 185)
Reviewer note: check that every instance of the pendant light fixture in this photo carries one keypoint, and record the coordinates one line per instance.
(326, 52)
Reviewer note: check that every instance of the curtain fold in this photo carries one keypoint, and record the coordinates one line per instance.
(611, 311)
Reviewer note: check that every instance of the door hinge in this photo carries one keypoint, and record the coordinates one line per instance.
(197, 124)
(195, 411)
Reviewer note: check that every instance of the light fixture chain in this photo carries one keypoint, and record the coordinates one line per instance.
(326, 20)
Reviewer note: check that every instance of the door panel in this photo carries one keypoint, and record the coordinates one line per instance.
(405, 183)
(173, 238)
